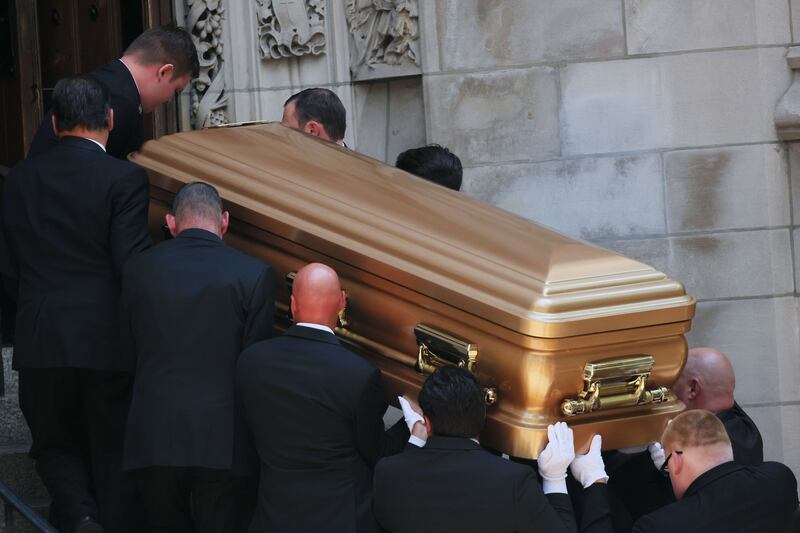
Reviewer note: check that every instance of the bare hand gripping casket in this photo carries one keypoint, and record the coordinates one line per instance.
(555, 328)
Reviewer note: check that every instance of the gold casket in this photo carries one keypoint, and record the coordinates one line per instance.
(555, 328)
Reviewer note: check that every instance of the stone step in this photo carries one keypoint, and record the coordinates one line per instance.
(21, 525)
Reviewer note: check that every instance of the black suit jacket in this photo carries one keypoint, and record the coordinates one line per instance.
(72, 218)
(128, 133)
(190, 305)
(316, 412)
(730, 497)
(643, 489)
(748, 448)
(453, 485)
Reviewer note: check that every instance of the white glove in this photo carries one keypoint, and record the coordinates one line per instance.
(589, 468)
(556, 457)
(657, 454)
(411, 416)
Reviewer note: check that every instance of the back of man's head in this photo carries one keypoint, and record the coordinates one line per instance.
(434, 163)
(317, 107)
(317, 295)
(81, 104)
(166, 45)
(695, 441)
(197, 205)
(453, 400)
(707, 381)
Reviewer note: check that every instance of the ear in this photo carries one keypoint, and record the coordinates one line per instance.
(293, 307)
(173, 228)
(225, 220)
(314, 128)
(694, 388)
(110, 120)
(676, 464)
(54, 123)
(342, 300)
(165, 71)
(428, 425)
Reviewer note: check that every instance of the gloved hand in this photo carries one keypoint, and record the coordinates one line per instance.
(657, 454)
(556, 457)
(589, 468)
(414, 421)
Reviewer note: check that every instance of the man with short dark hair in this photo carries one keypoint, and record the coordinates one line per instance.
(190, 305)
(73, 216)
(316, 412)
(453, 485)
(317, 112)
(715, 493)
(157, 65)
(434, 163)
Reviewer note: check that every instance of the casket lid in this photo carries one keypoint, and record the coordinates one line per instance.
(471, 255)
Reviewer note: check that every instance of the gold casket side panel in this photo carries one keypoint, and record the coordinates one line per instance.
(478, 258)
(540, 306)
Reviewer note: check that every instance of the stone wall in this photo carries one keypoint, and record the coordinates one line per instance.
(646, 127)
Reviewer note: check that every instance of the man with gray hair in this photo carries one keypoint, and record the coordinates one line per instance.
(190, 306)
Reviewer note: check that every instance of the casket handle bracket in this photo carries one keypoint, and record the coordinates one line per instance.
(436, 349)
(615, 383)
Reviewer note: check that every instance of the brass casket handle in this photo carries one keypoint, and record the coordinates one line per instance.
(437, 349)
(615, 383)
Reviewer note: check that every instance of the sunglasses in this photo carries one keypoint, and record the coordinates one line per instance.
(665, 467)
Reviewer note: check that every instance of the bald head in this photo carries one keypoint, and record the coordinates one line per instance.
(317, 295)
(707, 381)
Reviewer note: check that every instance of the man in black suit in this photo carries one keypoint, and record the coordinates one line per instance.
(317, 112)
(72, 218)
(191, 304)
(716, 494)
(316, 412)
(157, 65)
(706, 382)
(453, 485)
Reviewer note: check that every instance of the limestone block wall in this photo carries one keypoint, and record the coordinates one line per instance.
(646, 127)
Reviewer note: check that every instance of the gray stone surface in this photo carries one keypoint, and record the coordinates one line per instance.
(406, 117)
(624, 195)
(760, 336)
(492, 33)
(727, 188)
(389, 117)
(499, 116)
(795, 7)
(796, 235)
(682, 100)
(370, 116)
(658, 26)
(794, 172)
(723, 265)
(13, 429)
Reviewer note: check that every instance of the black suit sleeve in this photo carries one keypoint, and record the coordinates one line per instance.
(645, 525)
(596, 510)
(129, 204)
(536, 512)
(9, 264)
(260, 310)
(372, 441)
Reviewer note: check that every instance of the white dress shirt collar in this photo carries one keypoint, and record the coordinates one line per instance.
(320, 327)
(98, 143)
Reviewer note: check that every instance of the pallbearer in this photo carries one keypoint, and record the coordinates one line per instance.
(73, 216)
(190, 305)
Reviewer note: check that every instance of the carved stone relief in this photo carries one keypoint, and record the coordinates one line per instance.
(209, 104)
(384, 38)
(290, 28)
